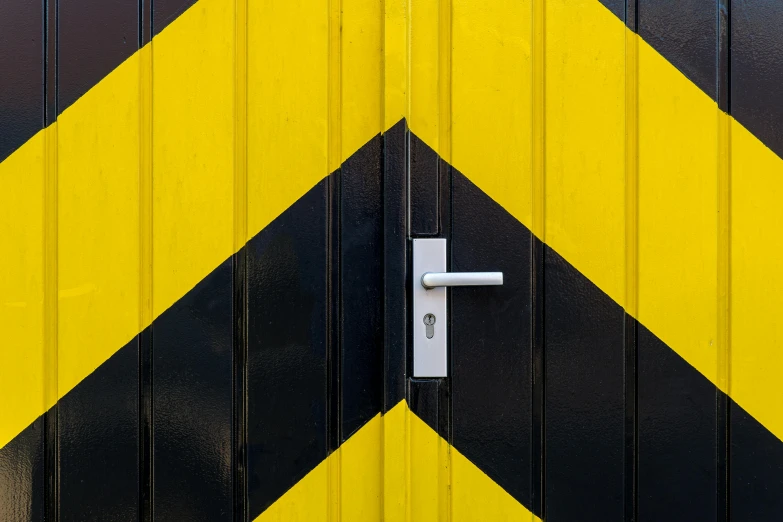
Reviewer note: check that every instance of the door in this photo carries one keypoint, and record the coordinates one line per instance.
(207, 293)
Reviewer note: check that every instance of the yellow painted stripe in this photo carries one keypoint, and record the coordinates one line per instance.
(411, 480)
(148, 170)
(635, 171)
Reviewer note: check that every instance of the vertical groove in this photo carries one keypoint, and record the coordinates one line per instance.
(50, 266)
(145, 261)
(724, 258)
(631, 259)
(444, 218)
(334, 343)
(239, 266)
(538, 155)
(539, 116)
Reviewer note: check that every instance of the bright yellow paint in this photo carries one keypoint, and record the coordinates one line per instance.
(756, 329)
(528, 99)
(98, 225)
(492, 75)
(414, 457)
(475, 496)
(395, 62)
(21, 287)
(361, 61)
(193, 149)
(585, 139)
(678, 211)
(287, 105)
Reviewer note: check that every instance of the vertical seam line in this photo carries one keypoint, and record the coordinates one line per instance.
(334, 159)
(539, 117)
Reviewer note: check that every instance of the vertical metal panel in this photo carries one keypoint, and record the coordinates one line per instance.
(98, 442)
(686, 36)
(192, 403)
(755, 479)
(424, 188)
(287, 334)
(585, 408)
(94, 37)
(21, 84)
(22, 469)
(22, 476)
(756, 72)
(361, 263)
(677, 436)
(491, 357)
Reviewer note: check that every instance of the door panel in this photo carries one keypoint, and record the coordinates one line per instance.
(206, 216)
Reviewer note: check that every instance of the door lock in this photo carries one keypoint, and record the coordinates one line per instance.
(430, 280)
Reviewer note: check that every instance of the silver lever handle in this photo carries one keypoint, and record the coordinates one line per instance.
(435, 279)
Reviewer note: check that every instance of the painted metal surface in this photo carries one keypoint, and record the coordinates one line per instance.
(205, 218)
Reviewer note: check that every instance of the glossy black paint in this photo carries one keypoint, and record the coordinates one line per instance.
(424, 188)
(22, 476)
(730, 49)
(94, 37)
(22, 66)
(288, 320)
(585, 408)
(755, 469)
(491, 335)
(757, 69)
(686, 35)
(395, 264)
(98, 442)
(677, 423)
(361, 287)
(166, 11)
(192, 403)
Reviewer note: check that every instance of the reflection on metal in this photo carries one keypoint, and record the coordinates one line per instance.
(435, 279)
(429, 345)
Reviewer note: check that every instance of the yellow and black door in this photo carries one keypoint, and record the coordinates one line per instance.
(207, 212)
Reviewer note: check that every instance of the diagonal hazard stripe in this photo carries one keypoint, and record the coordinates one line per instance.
(683, 142)
(567, 169)
(583, 226)
(409, 476)
(585, 350)
(102, 210)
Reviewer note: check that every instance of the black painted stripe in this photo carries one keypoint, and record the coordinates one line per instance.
(686, 35)
(87, 40)
(192, 412)
(94, 37)
(665, 450)
(730, 49)
(488, 409)
(361, 287)
(584, 397)
(395, 263)
(22, 66)
(98, 426)
(756, 82)
(678, 434)
(166, 11)
(287, 336)
(491, 334)
(22, 476)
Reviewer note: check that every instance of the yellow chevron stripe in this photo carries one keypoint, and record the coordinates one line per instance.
(489, 129)
(104, 150)
(411, 486)
(496, 73)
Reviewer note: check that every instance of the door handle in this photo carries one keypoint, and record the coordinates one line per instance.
(430, 311)
(432, 280)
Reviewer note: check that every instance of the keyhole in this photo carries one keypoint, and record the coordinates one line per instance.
(429, 321)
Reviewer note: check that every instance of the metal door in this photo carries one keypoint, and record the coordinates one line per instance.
(206, 216)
